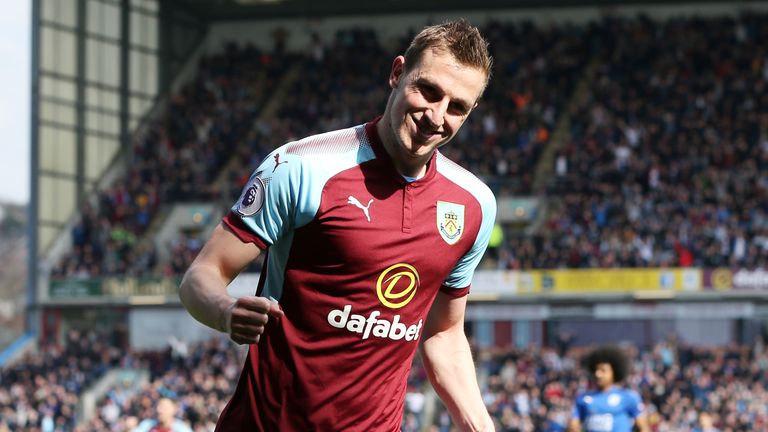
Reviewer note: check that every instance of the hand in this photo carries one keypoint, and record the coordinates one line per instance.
(490, 426)
(248, 316)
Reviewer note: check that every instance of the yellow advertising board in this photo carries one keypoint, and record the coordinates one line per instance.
(609, 280)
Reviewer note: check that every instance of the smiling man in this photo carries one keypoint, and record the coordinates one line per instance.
(372, 238)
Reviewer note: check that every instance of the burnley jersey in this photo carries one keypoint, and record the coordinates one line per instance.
(613, 410)
(355, 255)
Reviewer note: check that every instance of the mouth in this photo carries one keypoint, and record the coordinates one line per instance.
(423, 132)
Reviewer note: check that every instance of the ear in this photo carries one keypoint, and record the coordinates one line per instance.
(398, 70)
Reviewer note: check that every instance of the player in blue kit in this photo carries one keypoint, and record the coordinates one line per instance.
(608, 407)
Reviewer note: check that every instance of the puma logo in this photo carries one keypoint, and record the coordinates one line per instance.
(277, 162)
(352, 200)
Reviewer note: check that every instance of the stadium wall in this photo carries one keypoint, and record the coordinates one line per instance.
(497, 315)
(153, 328)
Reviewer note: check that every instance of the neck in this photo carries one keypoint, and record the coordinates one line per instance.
(409, 167)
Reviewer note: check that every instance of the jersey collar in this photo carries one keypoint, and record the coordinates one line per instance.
(381, 154)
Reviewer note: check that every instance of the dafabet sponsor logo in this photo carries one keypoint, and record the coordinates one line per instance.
(395, 287)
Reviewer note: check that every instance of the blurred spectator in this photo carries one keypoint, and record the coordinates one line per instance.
(165, 420)
(706, 423)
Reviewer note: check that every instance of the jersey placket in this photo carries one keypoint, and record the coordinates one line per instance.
(407, 208)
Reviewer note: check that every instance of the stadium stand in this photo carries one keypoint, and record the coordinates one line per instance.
(534, 389)
(41, 391)
(200, 377)
(525, 389)
(206, 132)
(640, 146)
(13, 251)
(664, 164)
(177, 161)
(650, 154)
(641, 106)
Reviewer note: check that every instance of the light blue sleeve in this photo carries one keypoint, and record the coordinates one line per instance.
(145, 426)
(461, 275)
(277, 198)
(180, 426)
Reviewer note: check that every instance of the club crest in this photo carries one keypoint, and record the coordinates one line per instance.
(450, 221)
(252, 199)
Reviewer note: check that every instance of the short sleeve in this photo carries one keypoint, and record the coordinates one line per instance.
(464, 270)
(577, 411)
(276, 198)
(635, 406)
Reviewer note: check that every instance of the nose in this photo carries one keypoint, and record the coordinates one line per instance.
(436, 113)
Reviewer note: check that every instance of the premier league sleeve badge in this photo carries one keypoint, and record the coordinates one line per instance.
(252, 199)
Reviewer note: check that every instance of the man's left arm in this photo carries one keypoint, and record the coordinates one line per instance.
(642, 424)
(448, 361)
(638, 411)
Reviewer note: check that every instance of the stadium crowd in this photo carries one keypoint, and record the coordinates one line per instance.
(178, 159)
(533, 389)
(528, 389)
(664, 162)
(536, 69)
(212, 129)
(667, 158)
(200, 378)
(41, 391)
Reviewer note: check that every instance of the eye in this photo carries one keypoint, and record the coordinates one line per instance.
(457, 108)
(430, 92)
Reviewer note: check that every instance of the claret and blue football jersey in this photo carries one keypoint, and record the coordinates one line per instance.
(355, 255)
(613, 410)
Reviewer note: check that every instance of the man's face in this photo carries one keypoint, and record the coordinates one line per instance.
(166, 411)
(430, 102)
(604, 375)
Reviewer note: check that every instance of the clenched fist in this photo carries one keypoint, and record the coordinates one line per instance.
(246, 318)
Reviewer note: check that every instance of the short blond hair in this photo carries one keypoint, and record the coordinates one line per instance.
(459, 38)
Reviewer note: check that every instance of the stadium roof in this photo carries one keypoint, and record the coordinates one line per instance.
(220, 10)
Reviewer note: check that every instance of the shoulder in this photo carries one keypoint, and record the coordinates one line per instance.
(584, 397)
(630, 393)
(145, 425)
(632, 397)
(181, 426)
(329, 144)
(316, 157)
(320, 155)
(466, 180)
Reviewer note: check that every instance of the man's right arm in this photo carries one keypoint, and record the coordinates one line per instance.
(203, 290)
(574, 424)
